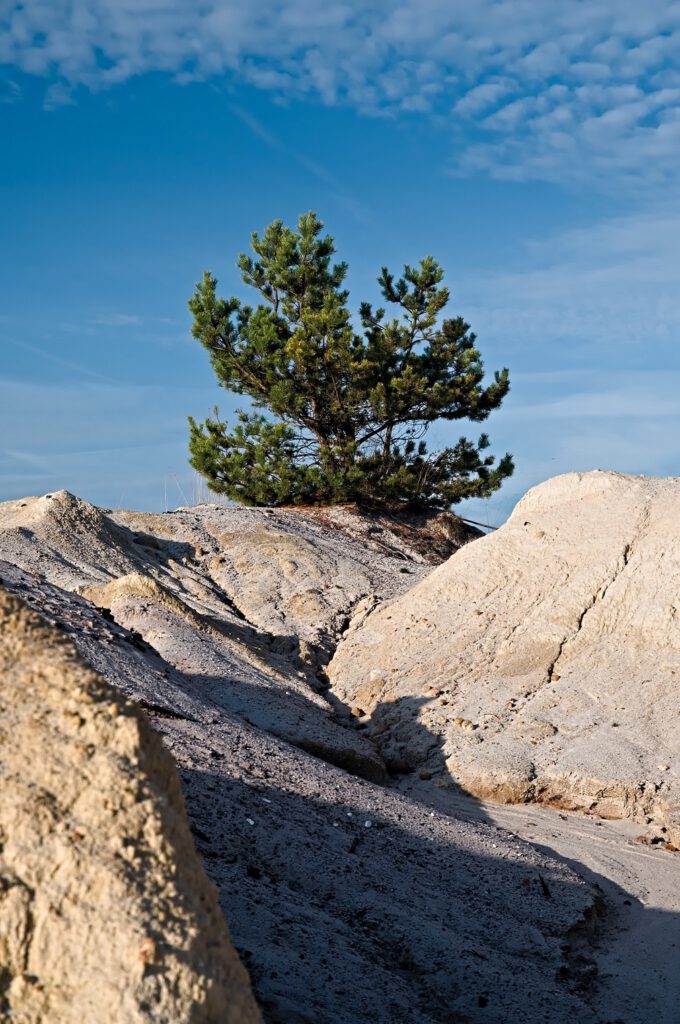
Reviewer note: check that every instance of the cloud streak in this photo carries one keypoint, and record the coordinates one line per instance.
(528, 88)
(606, 293)
(78, 368)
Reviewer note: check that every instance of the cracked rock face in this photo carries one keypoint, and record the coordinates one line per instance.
(543, 661)
(106, 914)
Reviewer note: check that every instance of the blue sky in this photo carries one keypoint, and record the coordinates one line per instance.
(532, 148)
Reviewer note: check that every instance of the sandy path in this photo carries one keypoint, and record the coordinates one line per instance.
(637, 949)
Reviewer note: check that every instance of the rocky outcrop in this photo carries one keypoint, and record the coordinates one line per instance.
(247, 604)
(541, 662)
(288, 572)
(346, 901)
(106, 914)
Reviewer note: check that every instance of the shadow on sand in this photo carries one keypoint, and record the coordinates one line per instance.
(414, 918)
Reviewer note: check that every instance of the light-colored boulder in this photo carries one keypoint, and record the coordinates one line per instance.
(541, 662)
(106, 914)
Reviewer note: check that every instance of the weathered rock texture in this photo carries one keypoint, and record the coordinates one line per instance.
(347, 901)
(106, 914)
(245, 603)
(541, 662)
(296, 574)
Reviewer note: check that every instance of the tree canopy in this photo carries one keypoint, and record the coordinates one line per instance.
(346, 410)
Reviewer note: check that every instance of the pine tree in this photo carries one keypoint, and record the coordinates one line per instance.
(347, 412)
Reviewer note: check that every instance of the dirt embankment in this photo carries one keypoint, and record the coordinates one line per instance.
(106, 913)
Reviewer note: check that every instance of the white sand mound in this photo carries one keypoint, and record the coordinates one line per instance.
(64, 538)
(245, 603)
(541, 662)
(347, 900)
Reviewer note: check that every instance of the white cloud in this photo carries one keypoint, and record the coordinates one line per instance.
(58, 94)
(10, 91)
(629, 397)
(481, 97)
(494, 57)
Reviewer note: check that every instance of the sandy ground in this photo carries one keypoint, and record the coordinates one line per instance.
(637, 947)
(437, 912)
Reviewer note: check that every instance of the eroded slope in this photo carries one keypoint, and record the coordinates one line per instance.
(542, 662)
(347, 901)
(246, 603)
(106, 914)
